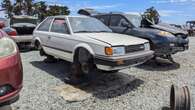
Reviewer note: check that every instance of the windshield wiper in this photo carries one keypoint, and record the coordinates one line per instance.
(90, 31)
(82, 31)
(101, 31)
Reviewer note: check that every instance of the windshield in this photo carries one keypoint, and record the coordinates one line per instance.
(86, 24)
(134, 19)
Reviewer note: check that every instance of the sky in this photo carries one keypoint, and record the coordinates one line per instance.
(171, 11)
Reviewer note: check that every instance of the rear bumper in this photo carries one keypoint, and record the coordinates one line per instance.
(122, 62)
(23, 38)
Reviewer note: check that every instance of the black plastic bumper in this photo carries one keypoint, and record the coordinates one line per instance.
(15, 99)
(171, 46)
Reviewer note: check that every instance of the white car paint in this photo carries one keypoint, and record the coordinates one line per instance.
(63, 46)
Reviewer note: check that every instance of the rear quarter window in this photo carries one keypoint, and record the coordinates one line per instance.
(45, 25)
(60, 26)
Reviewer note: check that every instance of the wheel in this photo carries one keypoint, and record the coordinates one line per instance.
(37, 45)
(85, 60)
(82, 67)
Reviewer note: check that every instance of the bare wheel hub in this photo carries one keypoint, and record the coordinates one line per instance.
(85, 67)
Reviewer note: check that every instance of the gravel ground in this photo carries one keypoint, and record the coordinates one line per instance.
(145, 87)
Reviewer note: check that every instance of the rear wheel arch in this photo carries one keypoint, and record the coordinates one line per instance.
(36, 40)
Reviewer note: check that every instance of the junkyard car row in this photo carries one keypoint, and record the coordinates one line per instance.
(87, 43)
(164, 40)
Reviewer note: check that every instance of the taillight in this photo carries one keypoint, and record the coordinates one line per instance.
(12, 33)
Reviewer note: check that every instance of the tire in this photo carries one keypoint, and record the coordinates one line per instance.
(37, 45)
(82, 68)
(85, 60)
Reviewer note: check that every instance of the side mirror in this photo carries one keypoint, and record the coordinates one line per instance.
(125, 24)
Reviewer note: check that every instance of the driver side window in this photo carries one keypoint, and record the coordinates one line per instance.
(117, 21)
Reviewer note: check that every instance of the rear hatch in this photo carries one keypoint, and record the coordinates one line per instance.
(24, 25)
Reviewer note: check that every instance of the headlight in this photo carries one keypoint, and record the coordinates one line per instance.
(166, 34)
(147, 46)
(7, 47)
(115, 51)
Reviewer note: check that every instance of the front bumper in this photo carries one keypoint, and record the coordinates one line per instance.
(122, 62)
(172, 47)
(11, 74)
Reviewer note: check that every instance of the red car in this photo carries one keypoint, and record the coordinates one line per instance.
(10, 31)
(11, 72)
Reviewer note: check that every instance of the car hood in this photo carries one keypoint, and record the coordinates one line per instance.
(114, 39)
(170, 29)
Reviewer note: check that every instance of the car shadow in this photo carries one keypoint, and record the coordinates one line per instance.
(101, 85)
(159, 65)
(166, 108)
(25, 50)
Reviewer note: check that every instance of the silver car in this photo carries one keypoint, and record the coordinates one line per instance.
(24, 26)
(89, 44)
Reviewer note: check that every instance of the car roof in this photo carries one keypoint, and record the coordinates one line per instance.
(65, 16)
(117, 13)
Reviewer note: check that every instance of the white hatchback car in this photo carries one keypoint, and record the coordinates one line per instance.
(89, 44)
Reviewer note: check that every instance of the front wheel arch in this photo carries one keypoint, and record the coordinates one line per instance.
(76, 54)
(82, 46)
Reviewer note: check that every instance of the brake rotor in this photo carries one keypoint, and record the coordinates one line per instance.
(180, 98)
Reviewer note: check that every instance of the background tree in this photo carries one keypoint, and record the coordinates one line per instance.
(28, 7)
(7, 5)
(18, 7)
(40, 9)
(57, 10)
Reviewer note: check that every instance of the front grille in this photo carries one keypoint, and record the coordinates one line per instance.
(134, 48)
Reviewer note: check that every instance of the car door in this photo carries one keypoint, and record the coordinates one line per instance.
(43, 31)
(116, 23)
(59, 39)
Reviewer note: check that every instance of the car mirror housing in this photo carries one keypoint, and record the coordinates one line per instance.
(125, 24)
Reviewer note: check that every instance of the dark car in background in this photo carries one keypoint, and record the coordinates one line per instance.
(11, 72)
(164, 39)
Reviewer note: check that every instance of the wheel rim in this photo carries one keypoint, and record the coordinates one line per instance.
(85, 67)
(38, 46)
